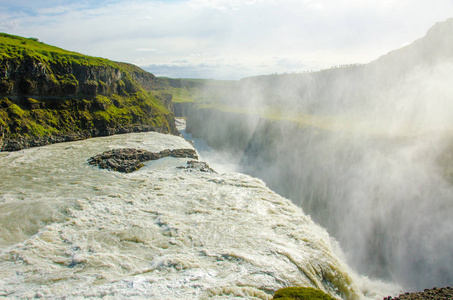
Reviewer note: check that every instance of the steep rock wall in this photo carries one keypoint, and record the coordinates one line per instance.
(224, 130)
(366, 189)
(31, 77)
(50, 95)
(182, 109)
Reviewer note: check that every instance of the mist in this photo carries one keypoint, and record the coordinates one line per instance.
(365, 150)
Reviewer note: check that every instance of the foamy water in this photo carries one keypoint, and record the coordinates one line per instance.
(68, 229)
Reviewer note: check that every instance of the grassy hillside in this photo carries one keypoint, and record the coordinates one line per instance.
(187, 90)
(19, 48)
(48, 93)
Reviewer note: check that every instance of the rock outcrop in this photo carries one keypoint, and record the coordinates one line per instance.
(434, 293)
(128, 160)
(181, 109)
(198, 166)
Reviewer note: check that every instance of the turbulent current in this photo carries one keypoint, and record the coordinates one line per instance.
(71, 230)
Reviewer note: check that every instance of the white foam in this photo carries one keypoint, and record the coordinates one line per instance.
(161, 232)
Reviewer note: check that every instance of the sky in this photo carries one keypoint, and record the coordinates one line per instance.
(226, 39)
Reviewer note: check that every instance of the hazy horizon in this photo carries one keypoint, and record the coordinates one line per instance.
(220, 39)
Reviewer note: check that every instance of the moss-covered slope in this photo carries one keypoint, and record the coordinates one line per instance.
(50, 95)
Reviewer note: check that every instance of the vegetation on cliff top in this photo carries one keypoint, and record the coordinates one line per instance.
(20, 48)
(186, 90)
(48, 91)
(227, 96)
(301, 293)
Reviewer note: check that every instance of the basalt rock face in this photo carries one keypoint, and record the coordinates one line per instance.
(198, 166)
(49, 95)
(227, 130)
(31, 77)
(182, 109)
(128, 160)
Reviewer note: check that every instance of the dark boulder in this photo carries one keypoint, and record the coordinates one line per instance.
(445, 293)
(127, 160)
(199, 166)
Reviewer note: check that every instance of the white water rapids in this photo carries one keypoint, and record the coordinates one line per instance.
(70, 230)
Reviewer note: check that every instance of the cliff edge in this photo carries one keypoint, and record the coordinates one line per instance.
(50, 95)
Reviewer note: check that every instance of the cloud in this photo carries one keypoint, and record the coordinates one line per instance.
(207, 70)
(311, 34)
(9, 25)
(177, 70)
(61, 9)
(146, 50)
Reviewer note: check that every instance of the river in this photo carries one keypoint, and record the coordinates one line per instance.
(70, 230)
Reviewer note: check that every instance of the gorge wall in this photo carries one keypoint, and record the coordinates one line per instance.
(384, 198)
(50, 95)
(366, 150)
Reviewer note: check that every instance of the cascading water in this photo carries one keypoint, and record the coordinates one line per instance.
(221, 161)
(387, 200)
(71, 230)
(366, 151)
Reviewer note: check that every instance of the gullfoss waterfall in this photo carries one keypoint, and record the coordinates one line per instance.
(71, 230)
(365, 150)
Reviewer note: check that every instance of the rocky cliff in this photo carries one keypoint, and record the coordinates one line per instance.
(365, 150)
(50, 95)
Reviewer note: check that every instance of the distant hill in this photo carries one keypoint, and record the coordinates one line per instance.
(435, 47)
(48, 94)
(365, 150)
(419, 70)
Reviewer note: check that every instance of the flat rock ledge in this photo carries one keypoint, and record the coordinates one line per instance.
(127, 160)
(15, 144)
(198, 166)
(434, 293)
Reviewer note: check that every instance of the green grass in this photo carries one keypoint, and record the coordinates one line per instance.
(196, 90)
(353, 124)
(138, 109)
(72, 109)
(277, 114)
(19, 48)
(15, 111)
(179, 95)
(301, 293)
